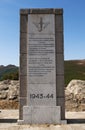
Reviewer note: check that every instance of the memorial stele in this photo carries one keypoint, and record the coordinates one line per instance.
(42, 99)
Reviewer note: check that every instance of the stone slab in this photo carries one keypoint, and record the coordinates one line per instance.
(41, 115)
(41, 60)
(47, 20)
(41, 49)
(42, 94)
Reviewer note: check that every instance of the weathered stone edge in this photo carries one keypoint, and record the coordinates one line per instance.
(41, 11)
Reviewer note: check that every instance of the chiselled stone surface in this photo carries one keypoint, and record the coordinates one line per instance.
(42, 115)
(41, 60)
(41, 11)
(41, 63)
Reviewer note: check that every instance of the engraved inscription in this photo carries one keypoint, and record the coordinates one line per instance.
(41, 60)
(41, 96)
(41, 25)
(41, 52)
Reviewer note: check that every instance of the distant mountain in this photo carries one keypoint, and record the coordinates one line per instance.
(74, 69)
(8, 71)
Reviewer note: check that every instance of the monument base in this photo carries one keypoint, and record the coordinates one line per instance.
(41, 115)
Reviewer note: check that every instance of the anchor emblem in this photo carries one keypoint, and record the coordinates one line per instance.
(41, 25)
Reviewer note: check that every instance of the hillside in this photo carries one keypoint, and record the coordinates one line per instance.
(8, 72)
(74, 69)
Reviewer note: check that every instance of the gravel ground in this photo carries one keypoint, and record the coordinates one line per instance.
(42, 127)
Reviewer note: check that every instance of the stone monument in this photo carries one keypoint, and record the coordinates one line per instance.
(42, 97)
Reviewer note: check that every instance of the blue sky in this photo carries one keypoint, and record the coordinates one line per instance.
(74, 27)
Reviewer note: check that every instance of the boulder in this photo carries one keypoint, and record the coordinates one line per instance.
(76, 87)
(75, 96)
(9, 89)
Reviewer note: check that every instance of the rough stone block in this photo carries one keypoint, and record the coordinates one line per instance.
(23, 46)
(24, 11)
(24, 23)
(23, 36)
(60, 64)
(59, 42)
(60, 86)
(59, 11)
(27, 114)
(23, 102)
(59, 23)
(42, 115)
(61, 102)
(20, 113)
(23, 84)
(23, 64)
(63, 122)
(42, 11)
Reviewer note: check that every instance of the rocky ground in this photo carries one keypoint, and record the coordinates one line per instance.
(74, 95)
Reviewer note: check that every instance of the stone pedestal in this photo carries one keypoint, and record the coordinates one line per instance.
(41, 115)
(41, 67)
